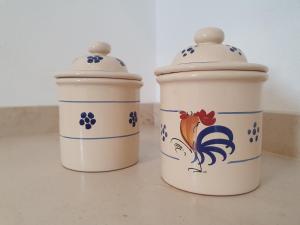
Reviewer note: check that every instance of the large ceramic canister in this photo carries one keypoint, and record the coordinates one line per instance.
(211, 118)
(98, 112)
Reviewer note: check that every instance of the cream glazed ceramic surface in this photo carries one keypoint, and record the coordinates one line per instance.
(211, 118)
(98, 113)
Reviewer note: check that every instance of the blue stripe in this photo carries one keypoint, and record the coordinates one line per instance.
(222, 113)
(230, 162)
(169, 110)
(249, 112)
(243, 160)
(99, 138)
(67, 101)
(172, 157)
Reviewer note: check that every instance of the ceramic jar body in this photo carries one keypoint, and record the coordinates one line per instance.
(99, 123)
(213, 153)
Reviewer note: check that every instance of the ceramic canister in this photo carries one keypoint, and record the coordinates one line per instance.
(211, 118)
(98, 112)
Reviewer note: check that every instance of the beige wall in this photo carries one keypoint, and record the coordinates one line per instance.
(39, 38)
(268, 31)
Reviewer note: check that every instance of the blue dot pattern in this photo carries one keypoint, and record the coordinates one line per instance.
(187, 51)
(234, 49)
(163, 132)
(94, 59)
(133, 119)
(87, 120)
(253, 133)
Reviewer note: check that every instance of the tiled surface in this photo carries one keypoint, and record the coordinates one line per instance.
(146, 112)
(44, 119)
(281, 134)
(35, 189)
(28, 120)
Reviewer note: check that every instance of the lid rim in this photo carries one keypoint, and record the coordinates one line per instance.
(200, 66)
(98, 74)
(214, 75)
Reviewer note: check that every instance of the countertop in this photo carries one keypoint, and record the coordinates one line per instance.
(35, 189)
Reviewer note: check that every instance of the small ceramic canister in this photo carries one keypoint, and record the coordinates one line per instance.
(98, 112)
(211, 118)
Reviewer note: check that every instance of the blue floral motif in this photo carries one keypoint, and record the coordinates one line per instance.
(133, 119)
(253, 133)
(189, 50)
(94, 59)
(87, 120)
(163, 132)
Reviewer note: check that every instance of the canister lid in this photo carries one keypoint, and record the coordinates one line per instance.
(98, 64)
(209, 53)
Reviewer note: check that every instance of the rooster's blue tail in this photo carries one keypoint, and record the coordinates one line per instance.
(211, 147)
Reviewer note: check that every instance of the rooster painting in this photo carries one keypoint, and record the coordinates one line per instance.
(211, 141)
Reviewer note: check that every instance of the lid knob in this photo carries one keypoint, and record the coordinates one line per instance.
(101, 48)
(209, 35)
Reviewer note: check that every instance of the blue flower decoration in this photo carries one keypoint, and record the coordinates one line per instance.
(163, 132)
(133, 118)
(253, 133)
(94, 59)
(87, 120)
